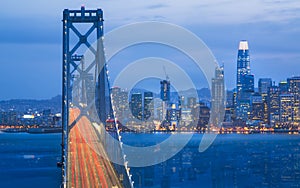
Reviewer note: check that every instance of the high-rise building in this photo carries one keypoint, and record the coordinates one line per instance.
(165, 95)
(182, 101)
(286, 108)
(294, 89)
(264, 84)
(244, 82)
(120, 103)
(148, 111)
(191, 102)
(165, 90)
(273, 105)
(229, 110)
(257, 107)
(265, 107)
(203, 114)
(173, 116)
(136, 105)
(218, 97)
(283, 87)
(243, 63)
(142, 106)
(230, 98)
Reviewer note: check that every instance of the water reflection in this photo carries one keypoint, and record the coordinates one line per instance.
(232, 161)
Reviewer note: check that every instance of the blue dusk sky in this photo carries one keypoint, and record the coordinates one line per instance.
(31, 36)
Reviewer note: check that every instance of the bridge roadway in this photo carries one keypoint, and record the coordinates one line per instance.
(86, 168)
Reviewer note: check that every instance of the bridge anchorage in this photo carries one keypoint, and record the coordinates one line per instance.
(87, 108)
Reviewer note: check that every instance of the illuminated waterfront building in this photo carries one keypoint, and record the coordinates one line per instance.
(136, 105)
(120, 102)
(264, 84)
(165, 90)
(229, 107)
(273, 105)
(142, 106)
(204, 115)
(245, 82)
(294, 89)
(173, 116)
(218, 97)
(286, 108)
(257, 107)
(148, 111)
(283, 87)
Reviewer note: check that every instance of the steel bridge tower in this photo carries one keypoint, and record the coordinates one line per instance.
(74, 64)
(87, 102)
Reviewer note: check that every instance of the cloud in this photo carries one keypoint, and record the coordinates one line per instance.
(176, 11)
(271, 26)
(157, 6)
(204, 11)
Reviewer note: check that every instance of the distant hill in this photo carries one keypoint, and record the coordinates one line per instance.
(23, 105)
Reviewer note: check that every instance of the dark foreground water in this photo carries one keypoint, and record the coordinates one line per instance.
(29, 160)
(233, 160)
(270, 160)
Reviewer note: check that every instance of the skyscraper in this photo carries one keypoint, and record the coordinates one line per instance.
(218, 97)
(148, 106)
(243, 63)
(294, 89)
(244, 82)
(257, 107)
(283, 87)
(229, 110)
(136, 105)
(273, 105)
(286, 108)
(120, 103)
(201, 115)
(264, 84)
(173, 116)
(165, 90)
(165, 96)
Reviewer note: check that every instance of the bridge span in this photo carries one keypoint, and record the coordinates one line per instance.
(87, 168)
(86, 146)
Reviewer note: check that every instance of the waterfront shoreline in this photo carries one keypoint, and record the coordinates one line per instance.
(44, 130)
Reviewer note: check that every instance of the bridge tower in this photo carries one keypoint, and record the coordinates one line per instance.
(75, 70)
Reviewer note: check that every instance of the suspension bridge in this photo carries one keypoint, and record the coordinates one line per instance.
(87, 108)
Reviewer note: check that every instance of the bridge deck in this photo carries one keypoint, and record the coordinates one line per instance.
(87, 167)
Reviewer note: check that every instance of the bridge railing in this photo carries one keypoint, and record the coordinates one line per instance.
(116, 148)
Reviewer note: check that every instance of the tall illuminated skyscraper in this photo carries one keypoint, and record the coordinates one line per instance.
(218, 97)
(243, 64)
(165, 90)
(165, 96)
(244, 82)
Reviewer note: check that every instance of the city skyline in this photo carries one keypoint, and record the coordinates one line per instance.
(271, 29)
(209, 125)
